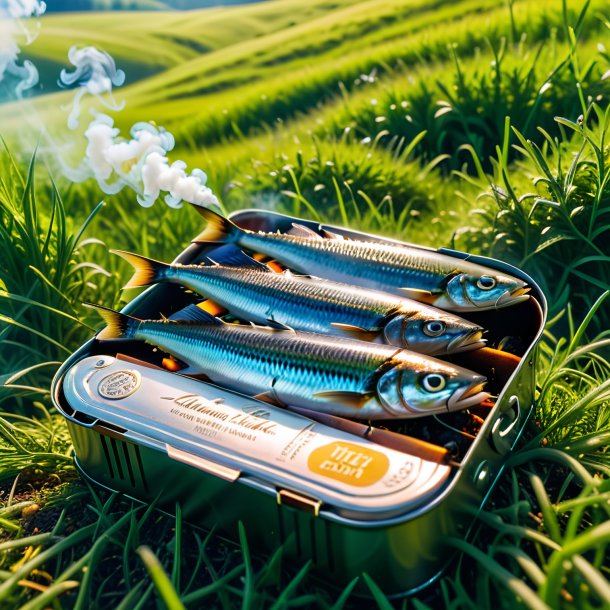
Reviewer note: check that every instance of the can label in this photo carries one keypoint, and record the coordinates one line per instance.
(277, 436)
(353, 464)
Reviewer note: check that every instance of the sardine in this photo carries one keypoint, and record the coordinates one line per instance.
(337, 376)
(252, 292)
(424, 275)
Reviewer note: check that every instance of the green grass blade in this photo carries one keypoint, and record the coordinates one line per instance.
(161, 580)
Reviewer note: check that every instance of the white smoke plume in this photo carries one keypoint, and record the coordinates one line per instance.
(95, 73)
(139, 163)
(14, 28)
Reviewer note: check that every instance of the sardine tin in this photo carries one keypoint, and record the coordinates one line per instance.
(402, 553)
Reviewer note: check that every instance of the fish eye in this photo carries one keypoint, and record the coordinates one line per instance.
(434, 328)
(485, 282)
(433, 382)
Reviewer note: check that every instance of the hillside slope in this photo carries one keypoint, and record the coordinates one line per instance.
(65, 6)
(164, 39)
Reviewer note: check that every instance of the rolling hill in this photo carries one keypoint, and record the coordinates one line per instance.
(164, 39)
(68, 6)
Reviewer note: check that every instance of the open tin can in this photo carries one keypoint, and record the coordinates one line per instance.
(327, 495)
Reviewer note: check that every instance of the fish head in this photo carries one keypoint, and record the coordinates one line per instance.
(433, 332)
(478, 291)
(424, 386)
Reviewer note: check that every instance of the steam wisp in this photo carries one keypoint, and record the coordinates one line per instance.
(13, 28)
(95, 73)
(139, 163)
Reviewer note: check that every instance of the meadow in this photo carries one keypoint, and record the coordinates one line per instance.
(476, 124)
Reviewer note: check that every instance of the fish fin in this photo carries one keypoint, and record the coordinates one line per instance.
(194, 313)
(423, 296)
(330, 235)
(147, 271)
(354, 399)
(219, 229)
(278, 325)
(268, 397)
(357, 331)
(449, 277)
(303, 231)
(118, 325)
(231, 255)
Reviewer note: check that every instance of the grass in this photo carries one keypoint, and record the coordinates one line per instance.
(46, 272)
(492, 161)
(558, 228)
(175, 37)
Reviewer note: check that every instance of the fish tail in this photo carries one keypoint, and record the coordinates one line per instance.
(118, 325)
(147, 271)
(219, 229)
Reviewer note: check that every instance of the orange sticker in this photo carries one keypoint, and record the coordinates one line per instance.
(349, 463)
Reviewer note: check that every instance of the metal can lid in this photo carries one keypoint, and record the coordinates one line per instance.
(349, 475)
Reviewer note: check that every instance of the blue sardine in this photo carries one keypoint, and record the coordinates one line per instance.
(252, 292)
(334, 375)
(424, 275)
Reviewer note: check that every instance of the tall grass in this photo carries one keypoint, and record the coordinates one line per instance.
(528, 82)
(555, 224)
(348, 181)
(45, 271)
(545, 546)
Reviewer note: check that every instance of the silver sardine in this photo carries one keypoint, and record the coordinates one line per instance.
(334, 375)
(424, 275)
(252, 292)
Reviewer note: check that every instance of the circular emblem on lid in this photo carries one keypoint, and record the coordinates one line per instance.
(119, 384)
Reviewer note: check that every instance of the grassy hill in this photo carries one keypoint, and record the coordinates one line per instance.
(163, 39)
(66, 6)
(255, 86)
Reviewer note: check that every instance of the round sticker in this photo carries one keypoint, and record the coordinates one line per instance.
(349, 463)
(119, 384)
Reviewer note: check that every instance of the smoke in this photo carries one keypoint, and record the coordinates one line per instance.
(139, 163)
(13, 28)
(95, 73)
